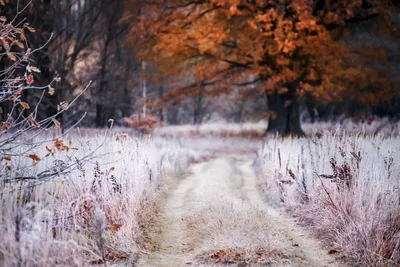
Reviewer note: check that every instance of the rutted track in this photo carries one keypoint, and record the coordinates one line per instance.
(217, 205)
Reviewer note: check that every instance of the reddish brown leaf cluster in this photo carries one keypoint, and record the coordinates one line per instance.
(239, 256)
(145, 123)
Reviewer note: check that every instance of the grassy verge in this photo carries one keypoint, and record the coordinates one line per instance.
(344, 187)
(103, 210)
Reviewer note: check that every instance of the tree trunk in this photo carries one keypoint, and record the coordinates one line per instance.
(198, 111)
(160, 96)
(103, 86)
(287, 120)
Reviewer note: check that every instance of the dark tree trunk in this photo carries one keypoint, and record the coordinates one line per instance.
(287, 120)
(198, 112)
(103, 86)
(310, 105)
(160, 96)
(99, 115)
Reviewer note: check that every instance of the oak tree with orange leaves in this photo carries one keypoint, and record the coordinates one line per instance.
(287, 49)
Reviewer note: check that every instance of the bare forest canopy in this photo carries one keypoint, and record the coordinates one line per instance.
(192, 61)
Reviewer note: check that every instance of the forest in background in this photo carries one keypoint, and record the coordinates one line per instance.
(106, 42)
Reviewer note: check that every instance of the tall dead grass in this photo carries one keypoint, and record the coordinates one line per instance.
(345, 187)
(104, 210)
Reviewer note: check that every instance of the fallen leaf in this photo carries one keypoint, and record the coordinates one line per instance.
(96, 261)
(332, 251)
(114, 227)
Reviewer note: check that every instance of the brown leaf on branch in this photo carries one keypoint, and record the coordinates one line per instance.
(20, 45)
(25, 105)
(51, 90)
(5, 45)
(5, 125)
(63, 106)
(34, 69)
(30, 79)
(35, 158)
(11, 56)
(33, 122)
(57, 123)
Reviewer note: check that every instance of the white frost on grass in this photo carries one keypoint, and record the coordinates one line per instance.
(355, 204)
(53, 222)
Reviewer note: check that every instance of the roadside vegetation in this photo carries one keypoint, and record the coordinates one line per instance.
(343, 187)
(103, 210)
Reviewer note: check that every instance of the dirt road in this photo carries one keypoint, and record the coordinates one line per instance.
(215, 215)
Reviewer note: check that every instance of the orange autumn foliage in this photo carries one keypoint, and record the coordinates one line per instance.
(144, 123)
(287, 47)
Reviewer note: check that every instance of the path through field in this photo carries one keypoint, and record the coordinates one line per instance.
(215, 215)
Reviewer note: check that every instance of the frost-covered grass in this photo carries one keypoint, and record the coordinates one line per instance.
(372, 126)
(220, 129)
(104, 209)
(257, 129)
(344, 187)
(109, 207)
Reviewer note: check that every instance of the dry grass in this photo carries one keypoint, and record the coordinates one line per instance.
(225, 220)
(345, 187)
(104, 210)
(241, 257)
(224, 130)
(372, 125)
(257, 129)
